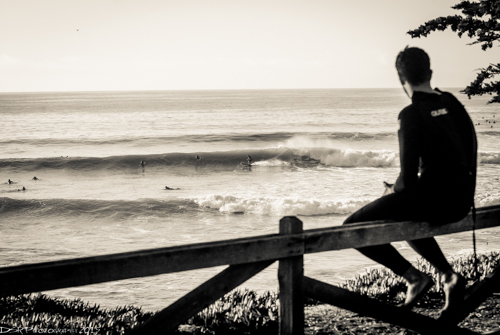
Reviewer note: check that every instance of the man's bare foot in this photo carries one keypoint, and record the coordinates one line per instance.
(418, 284)
(454, 291)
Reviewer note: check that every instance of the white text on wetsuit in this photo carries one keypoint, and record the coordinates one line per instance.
(438, 112)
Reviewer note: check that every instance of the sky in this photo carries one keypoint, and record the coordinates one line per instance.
(96, 45)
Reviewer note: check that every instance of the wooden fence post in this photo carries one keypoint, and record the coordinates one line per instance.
(291, 288)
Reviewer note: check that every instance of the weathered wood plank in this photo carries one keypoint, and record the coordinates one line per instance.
(92, 270)
(373, 308)
(169, 319)
(369, 233)
(477, 294)
(291, 289)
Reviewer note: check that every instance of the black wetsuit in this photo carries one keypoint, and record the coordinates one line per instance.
(438, 154)
(437, 139)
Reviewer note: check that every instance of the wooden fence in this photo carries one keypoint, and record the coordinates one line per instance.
(247, 257)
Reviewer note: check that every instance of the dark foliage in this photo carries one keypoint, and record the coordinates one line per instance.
(479, 21)
(37, 313)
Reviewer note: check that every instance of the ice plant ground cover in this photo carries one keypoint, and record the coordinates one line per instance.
(245, 311)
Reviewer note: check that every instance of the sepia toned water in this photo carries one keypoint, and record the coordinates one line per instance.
(317, 154)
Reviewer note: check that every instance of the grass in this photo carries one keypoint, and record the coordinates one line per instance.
(238, 312)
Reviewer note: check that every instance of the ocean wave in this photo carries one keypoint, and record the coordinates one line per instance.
(279, 206)
(488, 132)
(271, 137)
(352, 158)
(489, 157)
(117, 210)
(223, 160)
(292, 157)
(290, 139)
(487, 199)
(150, 209)
(274, 206)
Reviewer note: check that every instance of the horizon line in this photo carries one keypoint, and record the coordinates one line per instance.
(216, 89)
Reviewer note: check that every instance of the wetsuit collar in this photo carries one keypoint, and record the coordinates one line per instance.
(419, 95)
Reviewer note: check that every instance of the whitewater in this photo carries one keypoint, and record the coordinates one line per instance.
(317, 154)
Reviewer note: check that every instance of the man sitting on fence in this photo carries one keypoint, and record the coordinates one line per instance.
(438, 153)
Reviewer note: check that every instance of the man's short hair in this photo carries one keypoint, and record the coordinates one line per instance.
(414, 65)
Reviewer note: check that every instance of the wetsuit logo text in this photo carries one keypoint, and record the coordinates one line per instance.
(438, 112)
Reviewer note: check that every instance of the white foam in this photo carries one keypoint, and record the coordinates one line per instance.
(489, 157)
(271, 162)
(488, 199)
(142, 231)
(352, 158)
(280, 206)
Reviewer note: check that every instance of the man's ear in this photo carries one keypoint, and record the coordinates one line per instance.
(408, 89)
(402, 80)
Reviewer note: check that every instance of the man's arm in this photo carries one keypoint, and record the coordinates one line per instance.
(409, 150)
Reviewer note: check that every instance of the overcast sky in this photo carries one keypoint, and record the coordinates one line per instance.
(91, 45)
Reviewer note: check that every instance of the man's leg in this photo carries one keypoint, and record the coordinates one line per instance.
(453, 283)
(430, 250)
(394, 206)
(389, 207)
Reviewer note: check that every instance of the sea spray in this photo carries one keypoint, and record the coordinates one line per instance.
(280, 206)
(352, 158)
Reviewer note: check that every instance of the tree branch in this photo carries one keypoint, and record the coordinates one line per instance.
(481, 22)
(480, 87)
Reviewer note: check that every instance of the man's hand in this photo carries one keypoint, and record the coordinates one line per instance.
(389, 188)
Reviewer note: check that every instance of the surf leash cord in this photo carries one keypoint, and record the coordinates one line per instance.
(474, 237)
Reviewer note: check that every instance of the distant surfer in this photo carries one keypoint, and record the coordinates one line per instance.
(168, 188)
(142, 163)
(198, 158)
(35, 178)
(24, 189)
(249, 160)
(10, 182)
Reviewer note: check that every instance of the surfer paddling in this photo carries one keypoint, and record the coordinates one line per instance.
(168, 188)
(437, 139)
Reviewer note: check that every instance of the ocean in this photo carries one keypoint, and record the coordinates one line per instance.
(318, 154)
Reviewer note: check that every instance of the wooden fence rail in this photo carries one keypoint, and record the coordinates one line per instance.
(246, 257)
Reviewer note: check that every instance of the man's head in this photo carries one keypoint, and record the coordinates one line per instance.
(413, 66)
